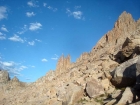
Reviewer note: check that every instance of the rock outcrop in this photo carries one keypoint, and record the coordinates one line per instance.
(4, 76)
(108, 75)
(63, 64)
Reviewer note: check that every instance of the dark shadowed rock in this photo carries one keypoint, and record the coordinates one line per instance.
(125, 74)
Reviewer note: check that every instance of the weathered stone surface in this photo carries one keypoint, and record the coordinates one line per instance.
(63, 64)
(105, 83)
(61, 93)
(107, 75)
(111, 43)
(83, 56)
(130, 49)
(117, 94)
(15, 79)
(73, 94)
(111, 102)
(127, 97)
(4, 76)
(137, 85)
(94, 88)
(125, 74)
(110, 90)
(50, 75)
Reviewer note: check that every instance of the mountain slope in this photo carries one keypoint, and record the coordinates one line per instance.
(88, 80)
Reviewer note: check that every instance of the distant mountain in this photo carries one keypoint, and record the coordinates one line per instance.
(108, 75)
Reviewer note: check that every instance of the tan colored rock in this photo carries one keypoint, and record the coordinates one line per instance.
(112, 102)
(83, 56)
(117, 94)
(105, 83)
(107, 75)
(73, 94)
(127, 97)
(63, 64)
(4, 76)
(94, 88)
(110, 90)
(112, 42)
(50, 75)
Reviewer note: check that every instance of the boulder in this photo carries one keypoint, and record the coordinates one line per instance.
(94, 88)
(61, 93)
(127, 49)
(127, 97)
(73, 94)
(125, 74)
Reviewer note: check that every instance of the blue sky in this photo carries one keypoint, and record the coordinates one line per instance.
(35, 33)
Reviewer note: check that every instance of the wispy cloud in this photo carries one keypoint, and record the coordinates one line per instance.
(12, 67)
(55, 57)
(32, 4)
(31, 43)
(44, 4)
(23, 30)
(35, 26)
(22, 67)
(77, 7)
(2, 36)
(3, 28)
(38, 40)
(30, 14)
(3, 12)
(44, 60)
(8, 64)
(16, 38)
(33, 66)
(75, 14)
(53, 9)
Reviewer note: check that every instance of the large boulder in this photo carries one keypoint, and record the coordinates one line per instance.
(127, 97)
(4, 76)
(69, 93)
(75, 95)
(125, 74)
(94, 88)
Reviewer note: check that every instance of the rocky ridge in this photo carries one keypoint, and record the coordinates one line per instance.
(108, 75)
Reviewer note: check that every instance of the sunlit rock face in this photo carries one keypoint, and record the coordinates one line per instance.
(94, 79)
(63, 64)
(4, 76)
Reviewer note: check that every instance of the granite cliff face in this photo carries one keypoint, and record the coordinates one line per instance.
(108, 75)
